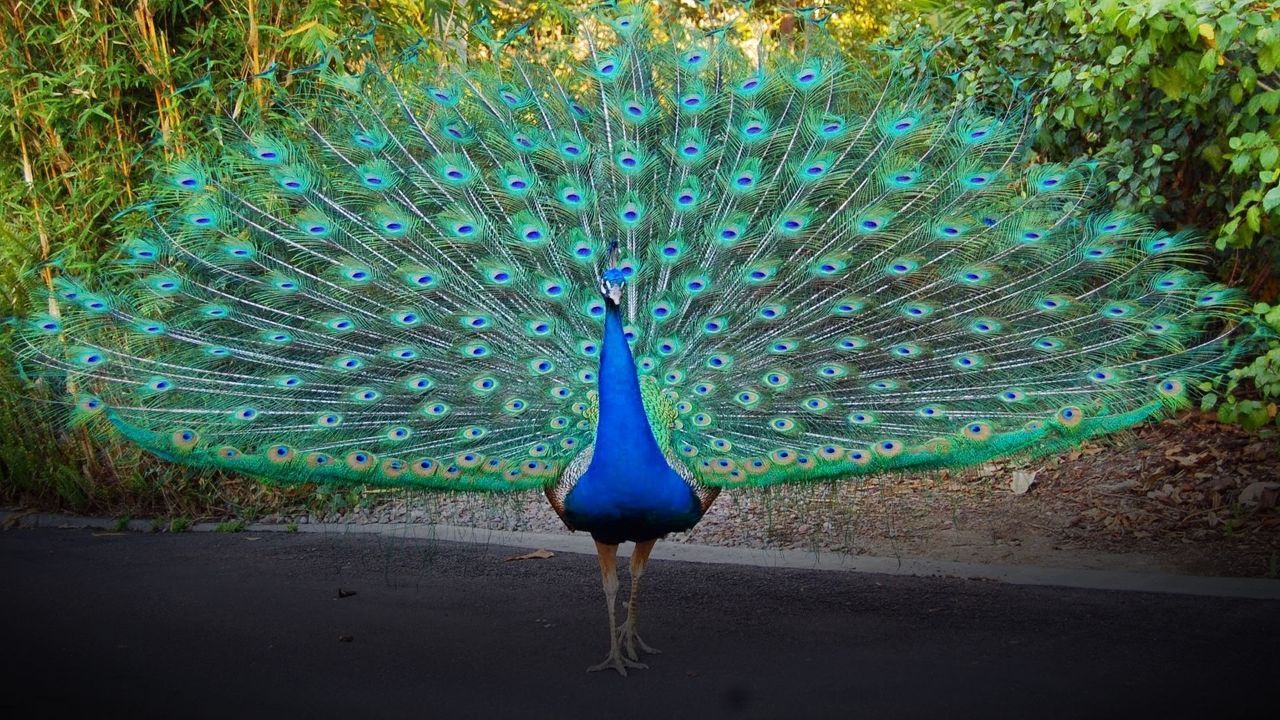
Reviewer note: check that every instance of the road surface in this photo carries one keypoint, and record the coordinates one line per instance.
(247, 625)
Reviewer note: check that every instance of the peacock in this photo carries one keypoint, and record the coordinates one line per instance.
(691, 263)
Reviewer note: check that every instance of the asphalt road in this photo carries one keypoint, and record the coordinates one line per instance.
(247, 626)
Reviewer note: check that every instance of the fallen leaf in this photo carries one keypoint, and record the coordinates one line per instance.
(1255, 492)
(535, 555)
(1022, 481)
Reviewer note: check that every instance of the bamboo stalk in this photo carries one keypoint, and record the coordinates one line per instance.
(155, 60)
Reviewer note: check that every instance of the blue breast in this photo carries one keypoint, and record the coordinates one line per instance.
(628, 491)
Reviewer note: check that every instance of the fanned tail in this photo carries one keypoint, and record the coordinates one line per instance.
(393, 276)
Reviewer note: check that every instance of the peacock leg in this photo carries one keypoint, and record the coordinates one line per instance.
(628, 634)
(608, 555)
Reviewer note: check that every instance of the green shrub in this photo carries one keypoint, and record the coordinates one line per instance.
(1178, 100)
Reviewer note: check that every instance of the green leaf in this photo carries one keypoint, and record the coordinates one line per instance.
(1271, 199)
(1268, 156)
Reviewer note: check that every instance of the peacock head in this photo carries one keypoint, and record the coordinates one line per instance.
(611, 284)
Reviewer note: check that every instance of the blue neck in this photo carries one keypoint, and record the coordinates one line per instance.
(622, 433)
(629, 491)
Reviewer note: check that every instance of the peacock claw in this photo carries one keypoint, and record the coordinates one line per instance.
(615, 660)
(629, 639)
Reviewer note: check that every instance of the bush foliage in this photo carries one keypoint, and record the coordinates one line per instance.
(1179, 99)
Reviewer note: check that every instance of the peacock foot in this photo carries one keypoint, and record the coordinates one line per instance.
(629, 639)
(615, 660)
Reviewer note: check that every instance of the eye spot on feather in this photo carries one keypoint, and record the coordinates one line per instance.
(902, 267)
(184, 438)
(888, 448)
(772, 312)
(832, 371)
(719, 361)
(1101, 376)
(1048, 344)
(984, 327)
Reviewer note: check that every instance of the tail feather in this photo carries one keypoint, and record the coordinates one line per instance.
(393, 277)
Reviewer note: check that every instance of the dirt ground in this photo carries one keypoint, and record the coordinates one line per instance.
(1188, 495)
